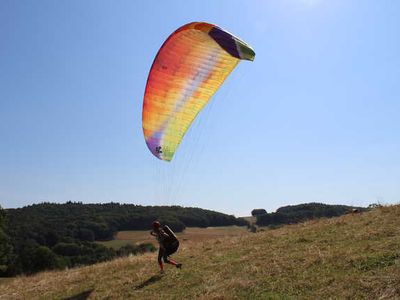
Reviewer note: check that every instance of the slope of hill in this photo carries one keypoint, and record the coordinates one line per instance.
(353, 256)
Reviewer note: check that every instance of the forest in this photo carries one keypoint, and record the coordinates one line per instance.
(54, 236)
(292, 214)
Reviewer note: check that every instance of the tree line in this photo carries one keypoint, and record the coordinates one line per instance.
(299, 213)
(49, 235)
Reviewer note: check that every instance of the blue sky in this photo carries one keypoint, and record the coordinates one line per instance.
(314, 118)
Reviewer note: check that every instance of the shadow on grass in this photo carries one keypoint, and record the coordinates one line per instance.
(81, 296)
(151, 280)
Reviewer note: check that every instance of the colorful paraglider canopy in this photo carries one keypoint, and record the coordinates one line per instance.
(189, 68)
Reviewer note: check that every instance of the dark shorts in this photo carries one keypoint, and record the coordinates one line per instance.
(172, 248)
(163, 253)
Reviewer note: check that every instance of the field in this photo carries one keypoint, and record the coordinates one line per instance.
(356, 256)
(191, 234)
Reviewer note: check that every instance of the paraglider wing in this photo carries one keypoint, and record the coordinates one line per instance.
(188, 69)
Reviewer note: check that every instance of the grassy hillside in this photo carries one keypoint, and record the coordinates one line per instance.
(354, 256)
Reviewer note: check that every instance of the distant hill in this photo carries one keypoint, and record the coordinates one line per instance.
(354, 256)
(50, 235)
(292, 214)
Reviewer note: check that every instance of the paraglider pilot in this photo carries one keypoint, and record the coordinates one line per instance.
(168, 244)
